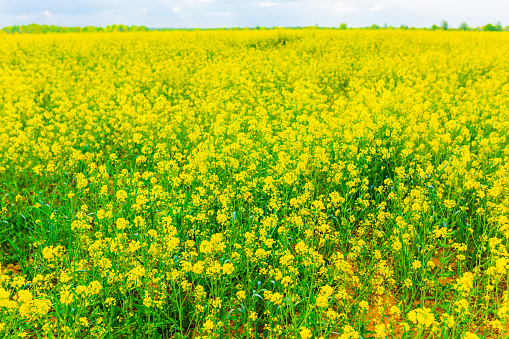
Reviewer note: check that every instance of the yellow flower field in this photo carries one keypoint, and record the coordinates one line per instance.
(310, 183)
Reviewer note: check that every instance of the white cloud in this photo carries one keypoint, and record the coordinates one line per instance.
(192, 2)
(46, 13)
(267, 4)
(376, 8)
(177, 9)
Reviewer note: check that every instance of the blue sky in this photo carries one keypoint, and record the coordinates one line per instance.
(251, 13)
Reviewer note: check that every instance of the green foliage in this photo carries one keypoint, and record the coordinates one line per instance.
(492, 28)
(464, 27)
(36, 28)
(489, 27)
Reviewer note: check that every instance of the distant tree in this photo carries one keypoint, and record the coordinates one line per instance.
(434, 27)
(342, 26)
(499, 26)
(464, 27)
(403, 26)
(445, 25)
(489, 27)
(375, 26)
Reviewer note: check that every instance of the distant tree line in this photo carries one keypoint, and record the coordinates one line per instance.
(444, 26)
(464, 27)
(36, 28)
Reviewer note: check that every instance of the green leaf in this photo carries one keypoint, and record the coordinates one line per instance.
(446, 274)
(445, 305)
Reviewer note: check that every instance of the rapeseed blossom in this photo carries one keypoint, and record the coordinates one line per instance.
(273, 183)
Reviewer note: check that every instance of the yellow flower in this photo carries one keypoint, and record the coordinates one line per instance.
(326, 291)
(349, 333)
(395, 311)
(503, 311)
(228, 268)
(416, 265)
(465, 283)
(305, 333)
(253, 316)
(18, 281)
(276, 298)
(449, 203)
(49, 252)
(321, 301)
(364, 305)
(94, 287)
(380, 331)
(66, 296)
(110, 301)
(84, 322)
(199, 292)
(121, 196)
(24, 296)
(241, 295)
(121, 223)
(208, 326)
(422, 316)
(462, 306)
(332, 315)
(65, 277)
(448, 320)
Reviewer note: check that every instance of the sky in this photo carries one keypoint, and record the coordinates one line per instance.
(252, 13)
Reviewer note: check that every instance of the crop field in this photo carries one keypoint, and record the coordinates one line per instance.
(283, 183)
